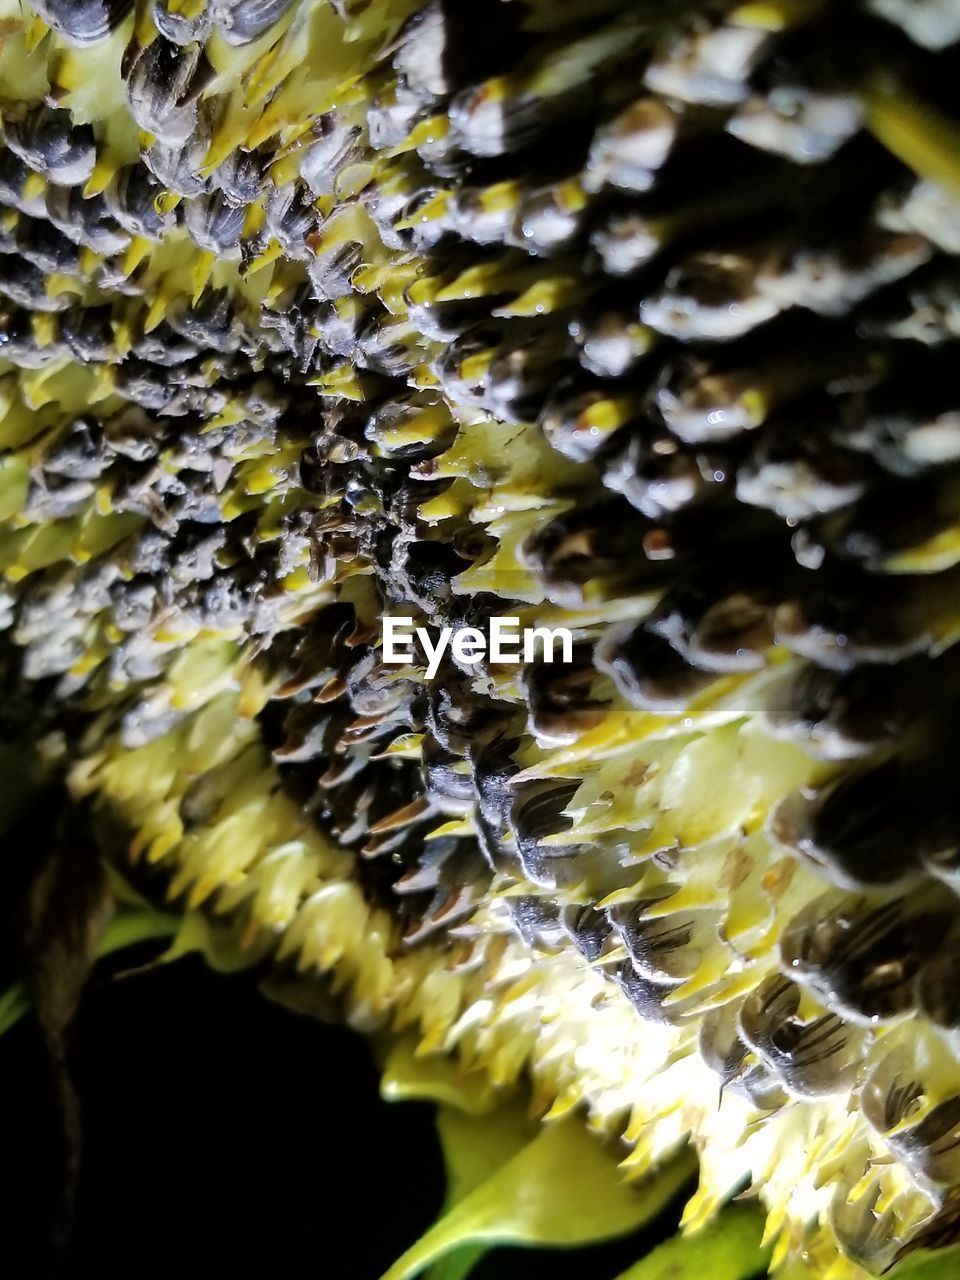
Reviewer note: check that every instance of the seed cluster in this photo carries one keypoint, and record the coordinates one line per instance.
(638, 320)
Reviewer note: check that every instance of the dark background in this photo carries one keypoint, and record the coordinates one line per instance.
(224, 1134)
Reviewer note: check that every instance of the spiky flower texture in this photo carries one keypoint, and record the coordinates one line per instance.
(639, 318)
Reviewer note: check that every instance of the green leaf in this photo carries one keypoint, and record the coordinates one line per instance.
(930, 1264)
(13, 1005)
(439, 1078)
(458, 1264)
(124, 930)
(474, 1148)
(728, 1249)
(130, 928)
(124, 894)
(219, 941)
(941, 1265)
(561, 1189)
